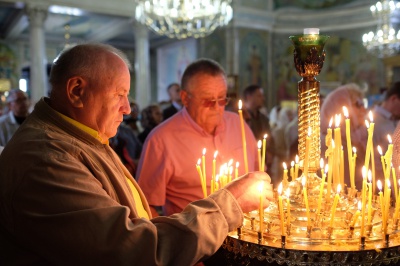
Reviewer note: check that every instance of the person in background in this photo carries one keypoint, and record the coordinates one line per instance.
(151, 117)
(385, 116)
(72, 202)
(351, 96)
(18, 105)
(132, 119)
(176, 104)
(167, 167)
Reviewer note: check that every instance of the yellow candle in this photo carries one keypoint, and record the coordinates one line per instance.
(348, 142)
(292, 170)
(388, 156)
(396, 212)
(306, 154)
(201, 178)
(288, 205)
(353, 166)
(230, 170)
(328, 138)
(394, 182)
(329, 183)
(296, 167)
(387, 206)
(214, 162)
(264, 149)
(336, 150)
(355, 217)
(382, 160)
(382, 204)
(285, 174)
(321, 189)
(341, 167)
(261, 209)
(369, 197)
(281, 209)
(259, 144)
(203, 164)
(335, 202)
(216, 185)
(363, 193)
(246, 167)
(304, 183)
(370, 127)
(237, 170)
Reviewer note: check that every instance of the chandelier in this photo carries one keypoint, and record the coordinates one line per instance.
(385, 42)
(183, 18)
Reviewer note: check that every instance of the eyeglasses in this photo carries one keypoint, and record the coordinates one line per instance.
(211, 103)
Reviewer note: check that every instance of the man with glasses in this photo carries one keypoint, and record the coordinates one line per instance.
(167, 168)
(18, 105)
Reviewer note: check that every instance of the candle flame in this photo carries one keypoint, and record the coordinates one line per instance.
(338, 117)
(359, 205)
(333, 144)
(371, 118)
(345, 111)
(215, 154)
(354, 150)
(296, 158)
(216, 177)
(284, 165)
(321, 163)
(292, 163)
(380, 150)
(287, 192)
(230, 162)
(326, 168)
(237, 164)
(379, 185)
(364, 172)
(204, 151)
(199, 161)
(309, 131)
(265, 136)
(366, 123)
(259, 144)
(339, 187)
(303, 181)
(388, 183)
(261, 187)
(240, 104)
(280, 187)
(230, 170)
(389, 139)
(330, 122)
(370, 176)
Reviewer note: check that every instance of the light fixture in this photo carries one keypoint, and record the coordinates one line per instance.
(385, 42)
(183, 18)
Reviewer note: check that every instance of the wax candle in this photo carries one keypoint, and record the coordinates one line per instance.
(335, 202)
(201, 178)
(259, 145)
(292, 170)
(382, 204)
(288, 205)
(341, 175)
(217, 181)
(382, 160)
(203, 164)
(337, 150)
(370, 128)
(321, 189)
(285, 174)
(373, 170)
(304, 183)
(264, 150)
(396, 211)
(356, 215)
(281, 208)
(387, 206)
(306, 154)
(246, 167)
(353, 167)
(261, 208)
(296, 167)
(369, 197)
(214, 163)
(230, 170)
(348, 142)
(237, 170)
(328, 138)
(394, 182)
(329, 182)
(363, 199)
(388, 157)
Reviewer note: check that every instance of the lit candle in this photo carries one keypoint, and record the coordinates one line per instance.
(382, 204)
(335, 202)
(230, 170)
(306, 154)
(329, 182)
(281, 208)
(396, 212)
(296, 167)
(341, 167)
(264, 150)
(313, 31)
(213, 171)
(369, 197)
(292, 170)
(328, 138)
(261, 209)
(370, 128)
(237, 170)
(363, 193)
(387, 206)
(394, 182)
(288, 205)
(201, 178)
(285, 174)
(246, 167)
(259, 145)
(373, 170)
(353, 159)
(337, 150)
(304, 183)
(388, 157)
(203, 164)
(216, 185)
(321, 188)
(382, 160)
(348, 141)
(355, 217)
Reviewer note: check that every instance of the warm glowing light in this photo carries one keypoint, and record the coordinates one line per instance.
(331, 122)
(389, 139)
(287, 192)
(367, 123)
(345, 112)
(215, 154)
(261, 187)
(199, 161)
(339, 188)
(379, 185)
(338, 117)
(371, 118)
(321, 163)
(284, 165)
(296, 159)
(204, 151)
(240, 104)
(380, 150)
(259, 144)
(280, 187)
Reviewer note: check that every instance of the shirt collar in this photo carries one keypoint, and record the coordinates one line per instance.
(177, 105)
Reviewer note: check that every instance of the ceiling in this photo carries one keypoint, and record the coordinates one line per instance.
(112, 21)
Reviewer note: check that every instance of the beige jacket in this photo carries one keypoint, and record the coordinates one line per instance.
(64, 200)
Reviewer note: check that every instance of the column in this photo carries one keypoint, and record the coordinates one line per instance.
(142, 65)
(38, 75)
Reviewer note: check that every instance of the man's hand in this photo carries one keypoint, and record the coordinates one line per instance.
(246, 190)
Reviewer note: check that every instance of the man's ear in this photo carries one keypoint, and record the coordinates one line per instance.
(75, 89)
(184, 97)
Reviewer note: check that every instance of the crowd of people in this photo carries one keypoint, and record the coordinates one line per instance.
(113, 185)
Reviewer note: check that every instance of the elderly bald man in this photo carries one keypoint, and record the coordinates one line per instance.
(72, 202)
